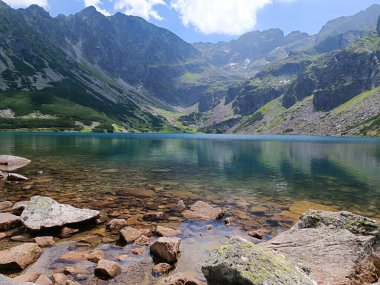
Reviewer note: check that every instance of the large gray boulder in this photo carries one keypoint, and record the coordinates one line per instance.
(338, 247)
(45, 213)
(242, 262)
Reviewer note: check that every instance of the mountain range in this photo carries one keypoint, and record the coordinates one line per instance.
(89, 72)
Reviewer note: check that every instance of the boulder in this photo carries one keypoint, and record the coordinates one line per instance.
(203, 211)
(44, 241)
(45, 213)
(186, 278)
(5, 205)
(241, 262)
(338, 247)
(129, 234)
(19, 207)
(78, 256)
(9, 221)
(166, 232)
(166, 249)
(117, 224)
(106, 269)
(19, 257)
(8, 281)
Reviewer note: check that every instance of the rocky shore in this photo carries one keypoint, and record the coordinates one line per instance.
(43, 242)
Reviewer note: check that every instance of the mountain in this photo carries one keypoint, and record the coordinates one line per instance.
(89, 72)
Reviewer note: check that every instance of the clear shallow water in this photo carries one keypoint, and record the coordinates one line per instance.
(265, 182)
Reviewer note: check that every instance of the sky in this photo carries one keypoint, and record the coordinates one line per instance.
(215, 20)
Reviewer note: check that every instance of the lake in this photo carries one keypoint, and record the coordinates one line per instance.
(264, 181)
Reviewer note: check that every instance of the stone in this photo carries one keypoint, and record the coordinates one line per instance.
(153, 216)
(117, 224)
(209, 227)
(5, 205)
(16, 177)
(19, 257)
(44, 280)
(106, 269)
(338, 247)
(66, 232)
(27, 187)
(138, 251)
(166, 232)
(59, 278)
(9, 221)
(28, 277)
(22, 238)
(142, 241)
(240, 214)
(166, 249)
(259, 234)
(77, 256)
(186, 278)
(10, 163)
(44, 241)
(162, 268)
(3, 236)
(203, 211)
(129, 234)
(19, 207)
(8, 281)
(123, 257)
(241, 262)
(46, 213)
(180, 207)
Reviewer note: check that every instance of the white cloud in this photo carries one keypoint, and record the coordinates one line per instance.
(96, 4)
(230, 17)
(26, 3)
(141, 8)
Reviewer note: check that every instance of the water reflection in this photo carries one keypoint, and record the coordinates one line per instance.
(335, 172)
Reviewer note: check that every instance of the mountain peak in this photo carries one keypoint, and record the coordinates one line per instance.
(37, 11)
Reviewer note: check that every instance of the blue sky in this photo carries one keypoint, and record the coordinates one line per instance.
(216, 20)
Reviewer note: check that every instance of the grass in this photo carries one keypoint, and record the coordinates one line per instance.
(355, 101)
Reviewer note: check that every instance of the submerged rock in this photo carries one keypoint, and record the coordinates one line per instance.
(117, 224)
(162, 268)
(78, 256)
(19, 257)
(186, 278)
(129, 234)
(203, 211)
(166, 232)
(106, 269)
(338, 247)
(241, 262)
(166, 249)
(8, 281)
(44, 213)
(5, 205)
(9, 221)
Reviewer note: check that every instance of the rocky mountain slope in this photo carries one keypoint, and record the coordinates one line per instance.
(120, 73)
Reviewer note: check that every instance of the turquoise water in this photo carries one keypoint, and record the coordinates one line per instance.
(236, 172)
